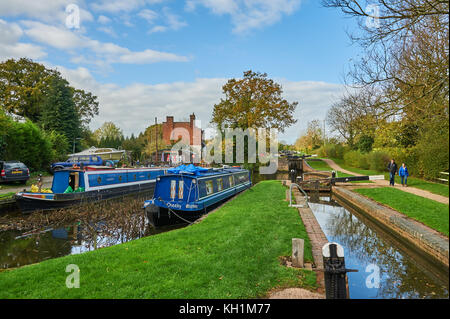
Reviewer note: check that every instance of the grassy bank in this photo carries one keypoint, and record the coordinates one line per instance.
(435, 188)
(323, 166)
(233, 253)
(427, 211)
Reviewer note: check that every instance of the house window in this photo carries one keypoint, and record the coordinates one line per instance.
(209, 187)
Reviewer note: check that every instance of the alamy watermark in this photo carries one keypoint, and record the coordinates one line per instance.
(373, 279)
(237, 146)
(73, 16)
(73, 279)
(373, 18)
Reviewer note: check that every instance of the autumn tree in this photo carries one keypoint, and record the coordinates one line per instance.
(406, 62)
(25, 86)
(254, 101)
(109, 135)
(313, 138)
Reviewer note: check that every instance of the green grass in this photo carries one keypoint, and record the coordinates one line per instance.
(233, 253)
(6, 196)
(427, 211)
(323, 166)
(435, 188)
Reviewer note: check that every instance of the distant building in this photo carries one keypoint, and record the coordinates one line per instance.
(185, 131)
(195, 133)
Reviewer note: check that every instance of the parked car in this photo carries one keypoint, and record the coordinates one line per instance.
(14, 171)
(91, 160)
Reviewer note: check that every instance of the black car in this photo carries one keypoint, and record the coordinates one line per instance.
(13, 171)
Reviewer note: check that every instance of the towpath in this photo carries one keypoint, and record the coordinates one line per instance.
(6, 188)
(409, 189)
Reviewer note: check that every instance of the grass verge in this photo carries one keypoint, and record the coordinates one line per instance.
(427, 211)
(323, 166)
(233, 253)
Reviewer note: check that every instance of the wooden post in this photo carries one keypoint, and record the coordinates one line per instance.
(297, 252)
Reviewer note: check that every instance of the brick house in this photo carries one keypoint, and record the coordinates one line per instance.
(186, 131)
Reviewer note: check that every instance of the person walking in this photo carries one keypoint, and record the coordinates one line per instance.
(392, 168)
(403, 173)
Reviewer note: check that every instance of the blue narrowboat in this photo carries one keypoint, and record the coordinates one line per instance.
(79, 185)
(187, 192)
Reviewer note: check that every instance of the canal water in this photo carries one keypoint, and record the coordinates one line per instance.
(403, 274)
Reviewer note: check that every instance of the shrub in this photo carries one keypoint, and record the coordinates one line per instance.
(25, 142)
(378, 160)
(332, 150)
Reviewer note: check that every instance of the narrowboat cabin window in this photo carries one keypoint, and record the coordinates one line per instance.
(219, 184)
(231, 180)
(209, 187)
(173, 186)
(180, 189)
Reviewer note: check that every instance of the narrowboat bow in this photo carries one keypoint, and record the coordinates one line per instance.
(75, 186)
(187, 192)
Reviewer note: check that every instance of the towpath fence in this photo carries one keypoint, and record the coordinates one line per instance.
(444, 177)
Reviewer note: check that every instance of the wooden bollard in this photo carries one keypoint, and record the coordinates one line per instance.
(298, 245)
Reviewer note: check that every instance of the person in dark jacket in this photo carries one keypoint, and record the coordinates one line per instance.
(403, 173)
(392, 168)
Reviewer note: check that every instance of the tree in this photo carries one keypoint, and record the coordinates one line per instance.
(86, 104)
(25, 86)
(59, 113)
(406, 64)
(313, 138)
(108, 132)
(253, 102)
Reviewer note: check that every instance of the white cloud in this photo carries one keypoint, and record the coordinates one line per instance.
(42, 10)
(10, 33)
(73, 41)
(103, 19)
(248, 14)
(149, 15)
(172, 22)
(108, 30)
(115, 6)
(134, 107)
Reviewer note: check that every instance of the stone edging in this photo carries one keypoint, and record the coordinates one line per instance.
(422, 237)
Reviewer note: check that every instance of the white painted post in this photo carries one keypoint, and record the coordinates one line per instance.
(297, 252)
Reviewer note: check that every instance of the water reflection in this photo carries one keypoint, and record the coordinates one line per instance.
(87, 228)
(403, 275)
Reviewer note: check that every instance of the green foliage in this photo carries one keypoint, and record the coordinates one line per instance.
(332, 151)
(378, 160)
(60, 145)
(365, 143)
(432, 152)
(28, 144)
(59, 113)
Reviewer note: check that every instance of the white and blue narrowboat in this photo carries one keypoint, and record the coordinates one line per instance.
(187, 192)
(74, 186)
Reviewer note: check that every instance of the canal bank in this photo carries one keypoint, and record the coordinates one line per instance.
(428, 241)
(236, 252)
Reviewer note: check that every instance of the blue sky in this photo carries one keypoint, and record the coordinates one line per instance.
(147, 58)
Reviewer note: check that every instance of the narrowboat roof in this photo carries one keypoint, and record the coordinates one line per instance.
(196, 171)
